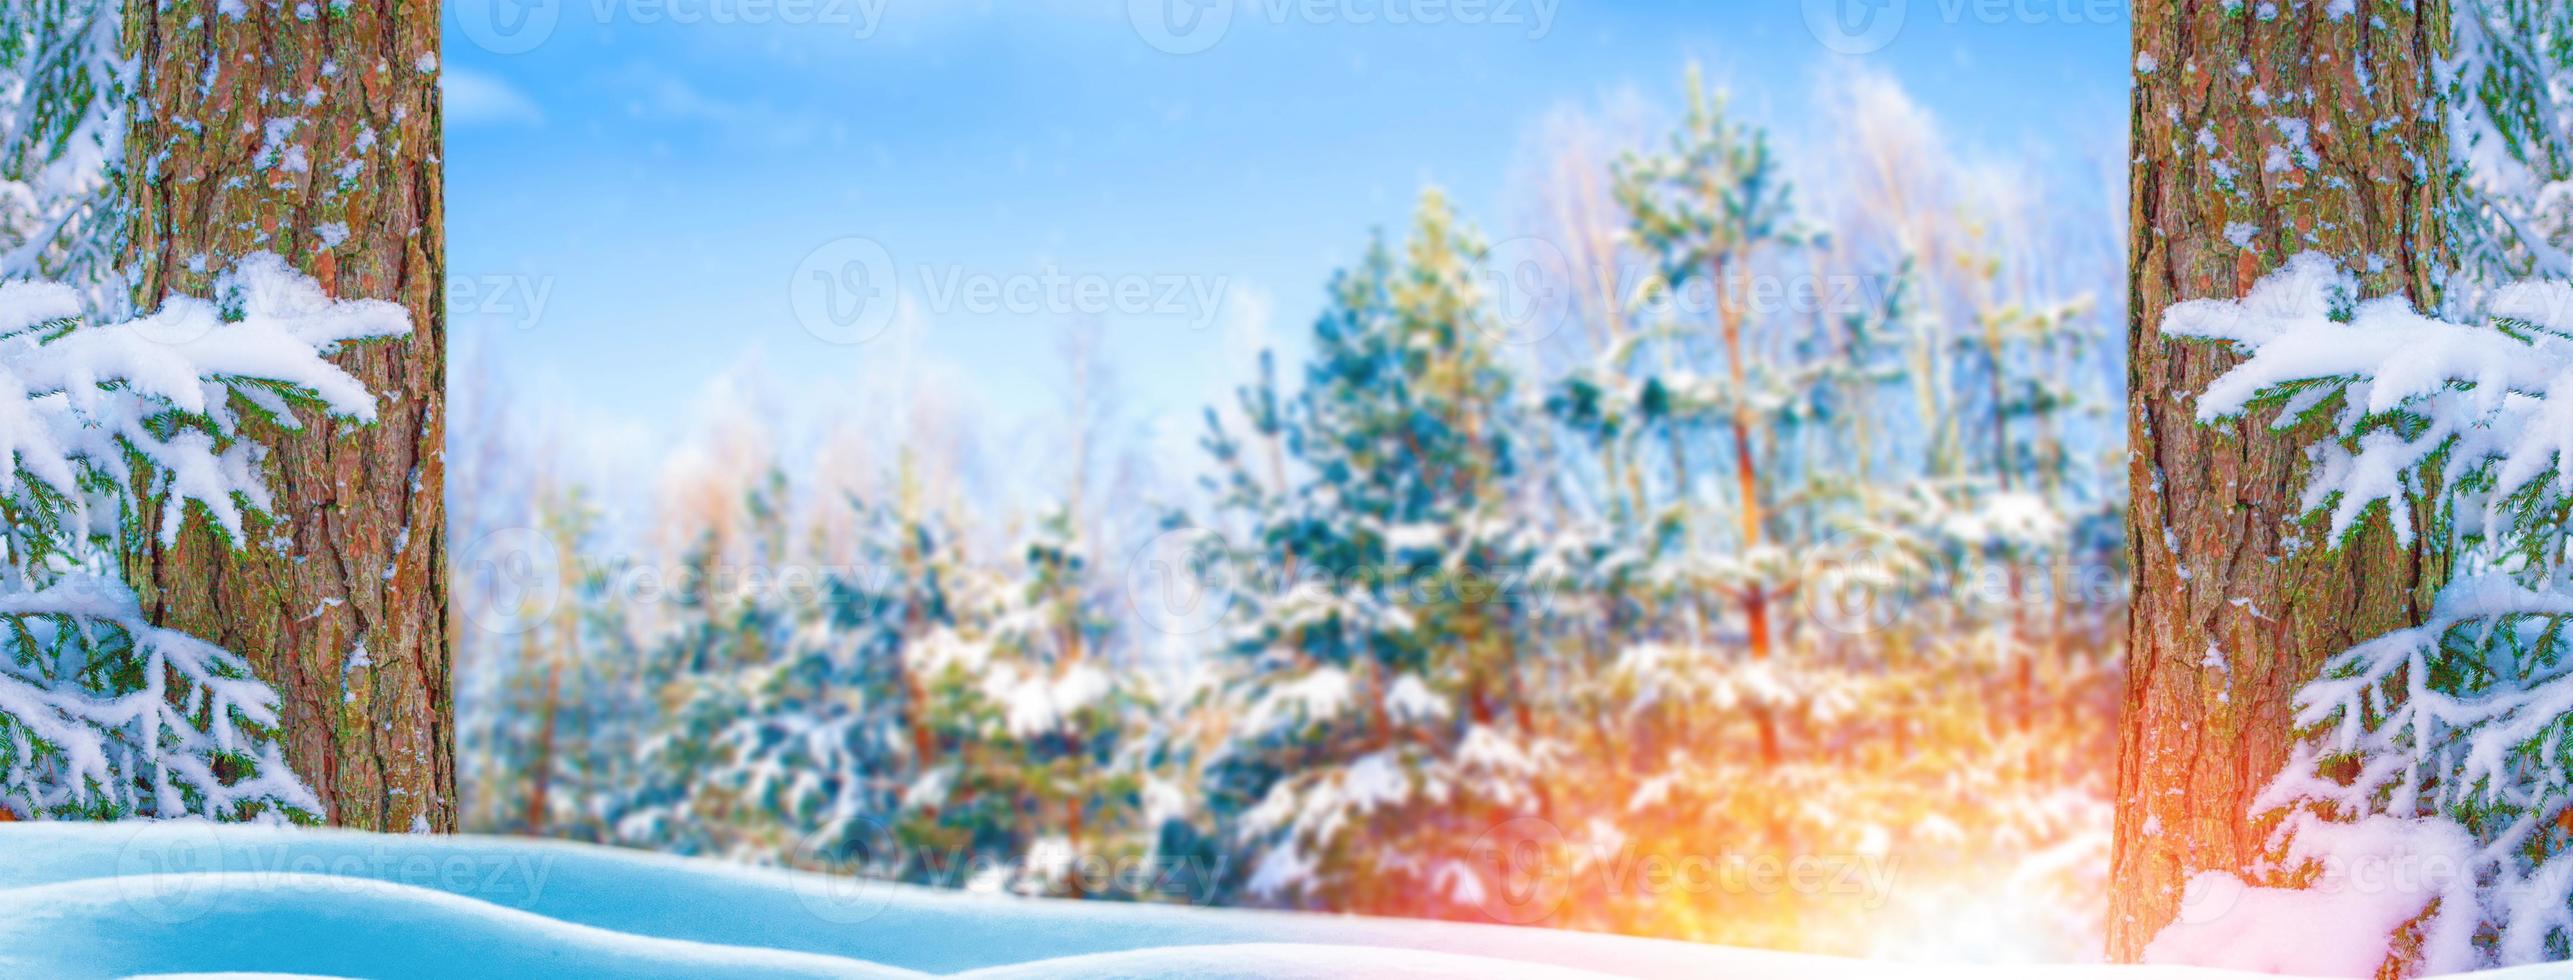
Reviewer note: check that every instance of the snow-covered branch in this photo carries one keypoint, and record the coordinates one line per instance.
(101, 712)
(2488, 408)
(62, 128)
(2444, 741)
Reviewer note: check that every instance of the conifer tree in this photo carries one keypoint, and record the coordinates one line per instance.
(785, 714)
(62, 136)
(1039, 785)
(102, 713)
(1381, 691)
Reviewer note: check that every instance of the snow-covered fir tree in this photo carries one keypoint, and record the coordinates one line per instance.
(2423, 806)
(1489, 599)
(1035, 776)
(1904, 621)
(1380, 715)
(894, 712)
(786, 714)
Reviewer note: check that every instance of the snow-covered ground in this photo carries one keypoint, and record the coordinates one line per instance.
(113, 900)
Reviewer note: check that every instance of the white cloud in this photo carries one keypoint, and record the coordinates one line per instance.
(477, 99)
(654, 95)
(1244, 324)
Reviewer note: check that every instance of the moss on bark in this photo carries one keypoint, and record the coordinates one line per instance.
(311, 130)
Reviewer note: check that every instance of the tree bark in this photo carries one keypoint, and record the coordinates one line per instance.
(312, 131)
(2259, 132)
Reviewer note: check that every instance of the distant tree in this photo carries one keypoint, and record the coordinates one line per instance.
(1379, 706)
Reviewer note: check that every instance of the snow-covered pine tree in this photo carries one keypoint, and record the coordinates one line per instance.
(1868, 715)
(2423, 806)
(1706, 211)
(901, 715)
(1381, 721)
(2510, 143)
(103, 714)
(1039, 780)
(1688, 574)
(1725, 393)
(1918, 739)
(783, 721)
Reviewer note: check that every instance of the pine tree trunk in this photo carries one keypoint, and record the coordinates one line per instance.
(540, 773)
(2238, 598)
(312, 131)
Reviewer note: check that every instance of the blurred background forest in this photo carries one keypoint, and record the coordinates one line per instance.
(1720, 541)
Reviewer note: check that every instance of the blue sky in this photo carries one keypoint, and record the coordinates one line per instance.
(662, 185)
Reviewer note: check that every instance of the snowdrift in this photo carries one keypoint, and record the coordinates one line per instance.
(113, 900)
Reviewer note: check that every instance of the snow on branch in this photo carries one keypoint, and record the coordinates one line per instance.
(2496, 397)
(2442, 744)
(93, 400)
(145, 750)
(101, 712)
(63, 106)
